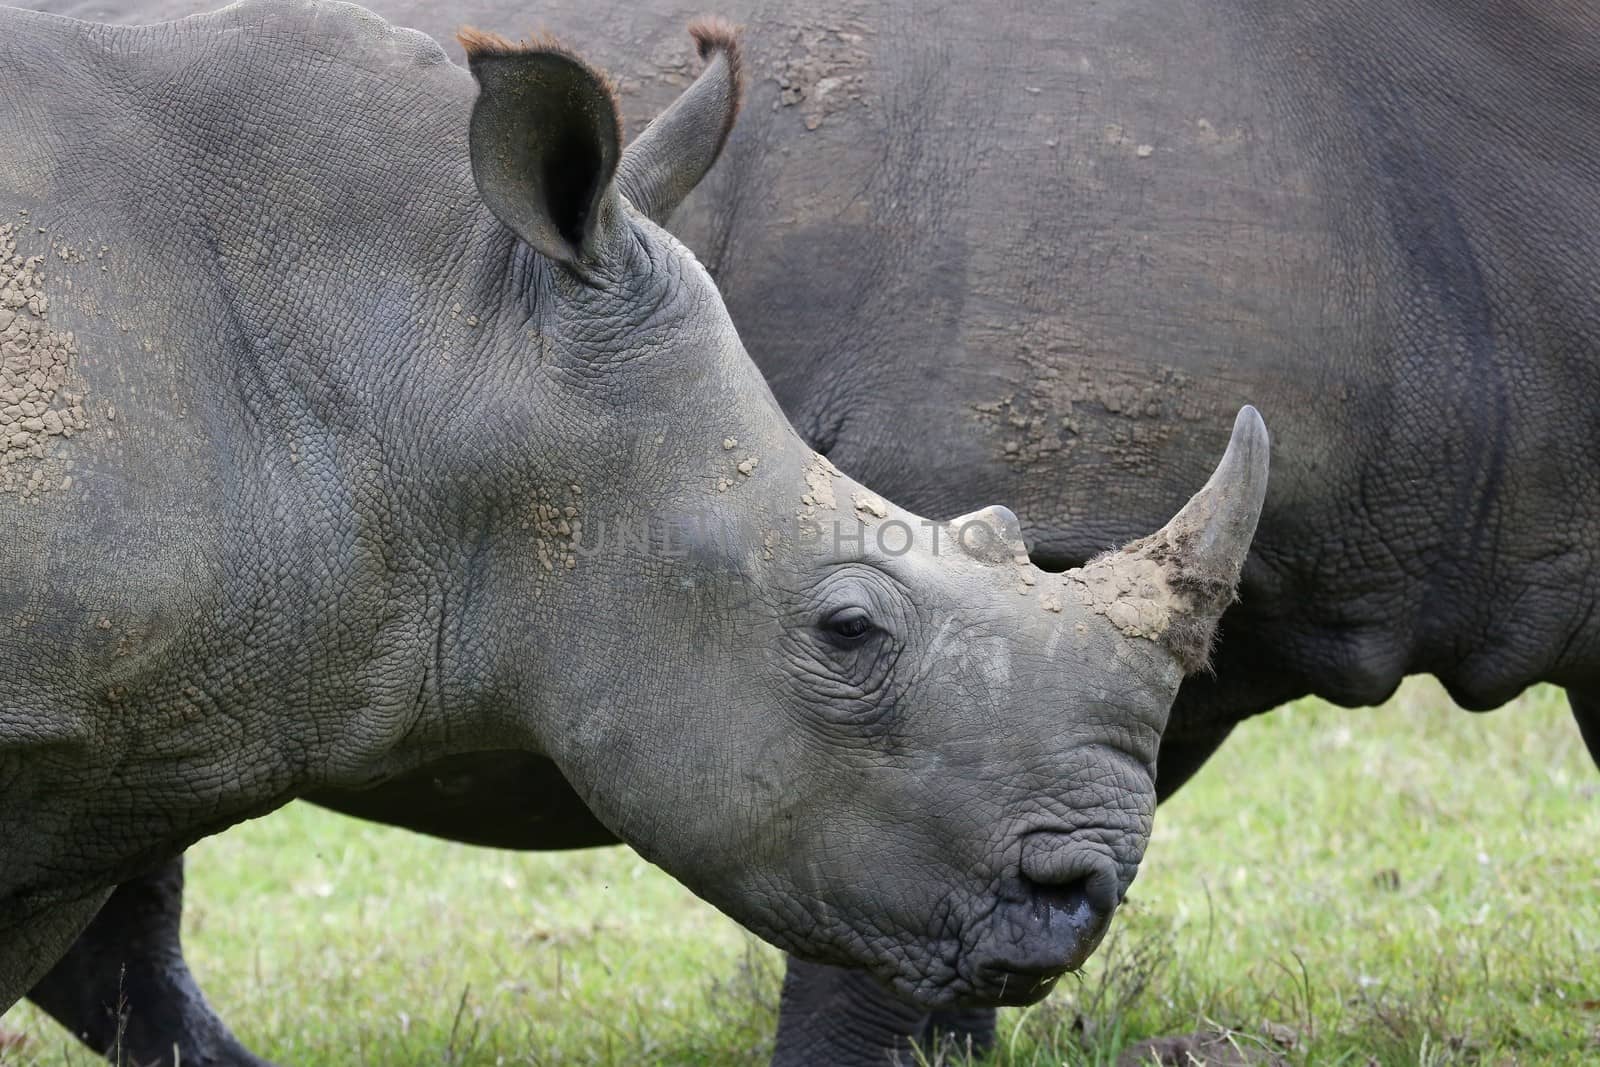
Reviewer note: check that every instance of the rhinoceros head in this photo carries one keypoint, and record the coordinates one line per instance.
(873, 739)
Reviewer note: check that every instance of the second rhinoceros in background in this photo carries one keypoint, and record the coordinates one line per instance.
(369, 343)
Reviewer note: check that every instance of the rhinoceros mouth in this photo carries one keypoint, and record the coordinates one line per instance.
(1031, 936)
(979, 984)
(1033, 942)
(1006, 988)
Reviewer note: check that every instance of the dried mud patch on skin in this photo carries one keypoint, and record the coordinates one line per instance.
(556, 520)
(1048, 417)
(822, 71)
(817, 496)
(870, 504)
(40, 403)
(1152, 589)
(819, 475)
(1133, 593)
(738, 467)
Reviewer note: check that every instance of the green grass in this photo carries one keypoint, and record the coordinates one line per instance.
(1411, 884)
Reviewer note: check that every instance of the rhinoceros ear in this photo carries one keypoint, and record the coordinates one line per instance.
(675, 151)
(545, 141)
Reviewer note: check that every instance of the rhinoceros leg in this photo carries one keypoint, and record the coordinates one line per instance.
(1586, 709)
(837, 1016)
(1182, 756)
(129, 962)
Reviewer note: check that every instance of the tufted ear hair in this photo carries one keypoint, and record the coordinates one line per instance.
(675, 151)
(545, 140)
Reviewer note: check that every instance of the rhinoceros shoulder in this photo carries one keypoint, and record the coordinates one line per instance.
(250, 32)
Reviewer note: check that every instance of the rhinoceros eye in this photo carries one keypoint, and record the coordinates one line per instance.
(847, 627)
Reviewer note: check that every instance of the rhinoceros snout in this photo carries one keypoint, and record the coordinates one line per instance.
(1062, 908)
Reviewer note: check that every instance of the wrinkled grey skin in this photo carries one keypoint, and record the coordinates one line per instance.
(354, 377)
(1375, 217)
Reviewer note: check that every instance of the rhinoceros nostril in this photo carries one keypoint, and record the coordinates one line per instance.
(1053, 901)
(1068, 916)
(1058, 860)
(1069, 904)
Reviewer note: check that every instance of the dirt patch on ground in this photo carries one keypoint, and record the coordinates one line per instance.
(37, 407)
(1202, 1049)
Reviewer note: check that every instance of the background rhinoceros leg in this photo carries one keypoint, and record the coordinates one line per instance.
(131, 956)
(966, 1030)
(843, 1017)
(1182, 755)
(1586, 709)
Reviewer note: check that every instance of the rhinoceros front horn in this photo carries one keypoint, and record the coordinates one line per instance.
(1174, 585)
